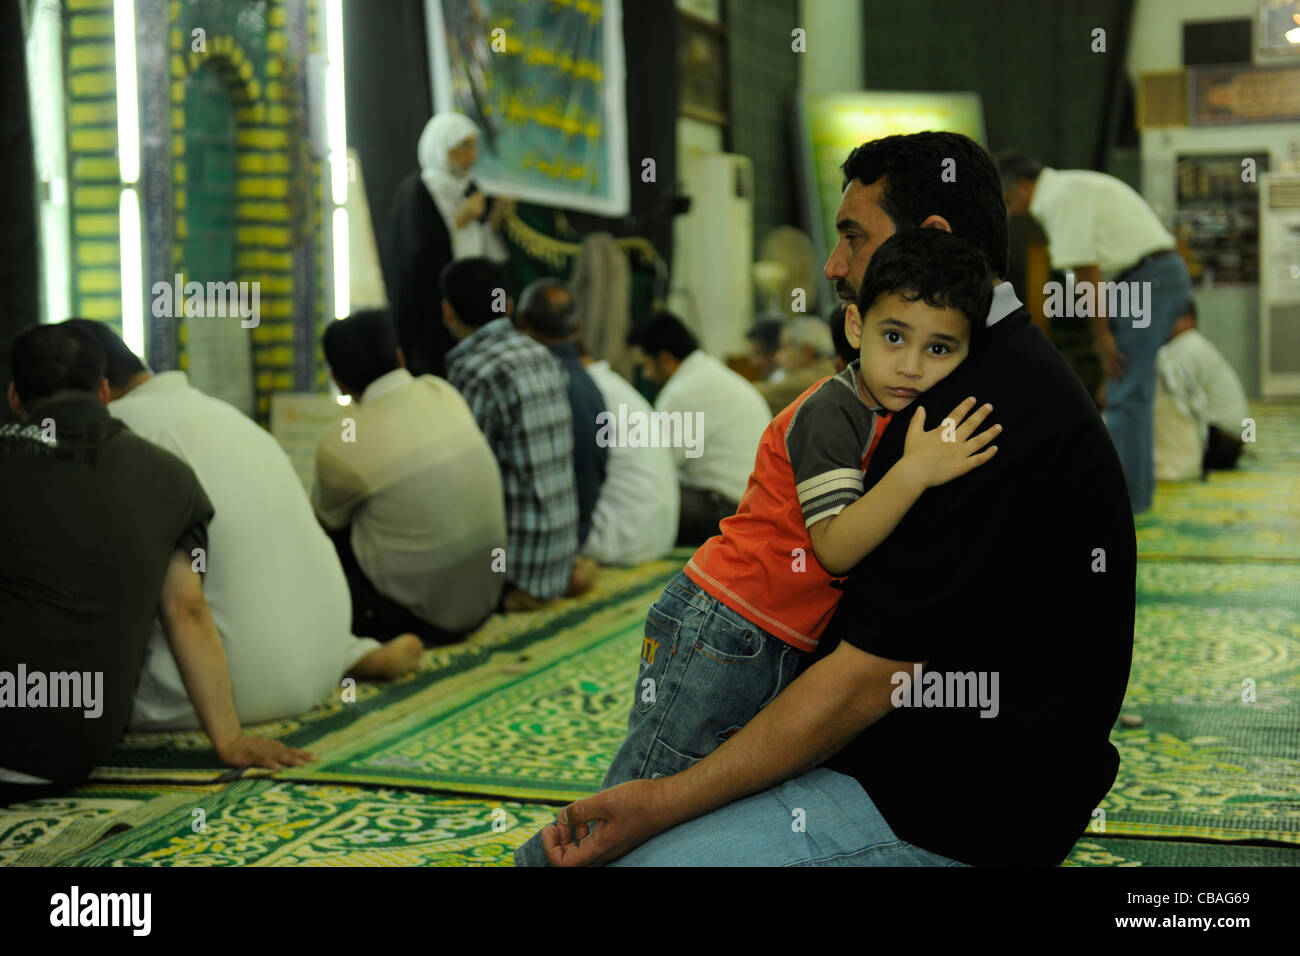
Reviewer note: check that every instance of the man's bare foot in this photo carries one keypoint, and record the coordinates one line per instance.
(583, 577)
(517, 600)
(391, 660)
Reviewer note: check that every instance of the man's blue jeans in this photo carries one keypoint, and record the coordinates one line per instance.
(705, 672)
(822, 818)
(1130, 399)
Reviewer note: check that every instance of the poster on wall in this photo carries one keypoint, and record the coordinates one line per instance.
(830, 125)
(544, 83)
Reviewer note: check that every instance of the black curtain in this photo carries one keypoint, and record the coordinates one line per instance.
(389, 102)
(19, 238)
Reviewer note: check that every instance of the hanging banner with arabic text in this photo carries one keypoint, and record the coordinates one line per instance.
(544, 82)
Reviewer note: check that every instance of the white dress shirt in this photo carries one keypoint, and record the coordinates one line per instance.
(733, 417)
(636, 514)
(273, 580)
(1094, 219)
(1202, 382)
(421, 489)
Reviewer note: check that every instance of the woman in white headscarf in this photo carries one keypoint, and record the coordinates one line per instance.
(439, 215)
(448, 149)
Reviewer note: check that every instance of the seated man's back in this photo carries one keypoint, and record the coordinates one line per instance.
(89, 520)
(273, 582)
(1016, 584)
(518, 393)
(734, 416)
(422, 490)
(636, 515)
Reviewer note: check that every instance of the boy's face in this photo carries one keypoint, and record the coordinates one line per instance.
(906, 348)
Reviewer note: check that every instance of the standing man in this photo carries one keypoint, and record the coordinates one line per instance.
(966, 584)
(1099, 227)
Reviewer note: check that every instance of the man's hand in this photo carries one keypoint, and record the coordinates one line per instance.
(936, 461)
(246, 751)
(624, 817)
(1112, 359)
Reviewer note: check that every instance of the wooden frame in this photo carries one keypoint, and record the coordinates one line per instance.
(702, 73)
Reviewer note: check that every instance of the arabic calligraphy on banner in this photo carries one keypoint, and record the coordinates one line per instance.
(544, 82)
(1244, 94)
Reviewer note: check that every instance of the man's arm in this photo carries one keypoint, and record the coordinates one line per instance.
(201, 659)
(812, 719)
(1103, 340)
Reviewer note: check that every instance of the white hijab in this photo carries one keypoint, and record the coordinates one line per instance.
(441, 134)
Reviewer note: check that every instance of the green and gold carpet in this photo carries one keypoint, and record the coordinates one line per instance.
(188, 757)
(265, 823)
(546, 729)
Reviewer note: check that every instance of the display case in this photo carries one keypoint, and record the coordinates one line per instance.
(1216, 217)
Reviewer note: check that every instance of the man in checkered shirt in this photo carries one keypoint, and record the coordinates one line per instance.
(518, 393)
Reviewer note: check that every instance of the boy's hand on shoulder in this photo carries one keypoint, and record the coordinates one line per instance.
(938, 456)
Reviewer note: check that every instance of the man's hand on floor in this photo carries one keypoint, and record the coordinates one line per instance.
(246, 751)
(600, 829)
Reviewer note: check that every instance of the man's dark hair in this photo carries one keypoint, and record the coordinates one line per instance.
(1190, 309)
(121, 364)
(944, 270)
(471, 285)
(838, 336)
(916, 187)
(664, 332)
(547, 306)
(360, 348)
(49, 359)
(1013, 167)
(766, 333)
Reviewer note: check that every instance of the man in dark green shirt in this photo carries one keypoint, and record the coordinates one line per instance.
(99, 530)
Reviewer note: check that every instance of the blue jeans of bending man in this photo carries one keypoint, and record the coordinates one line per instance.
(1131, 399)
(705, 672)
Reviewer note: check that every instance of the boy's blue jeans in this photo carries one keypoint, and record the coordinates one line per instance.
(705, 672)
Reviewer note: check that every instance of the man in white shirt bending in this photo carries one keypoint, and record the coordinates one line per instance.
(1099, 227)
(277, 593)
(714, 417)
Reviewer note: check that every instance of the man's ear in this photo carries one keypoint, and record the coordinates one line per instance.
(448, 313)
(14, 403)
(401, 357)
(937, 222)
(105, 393)
(853, 326)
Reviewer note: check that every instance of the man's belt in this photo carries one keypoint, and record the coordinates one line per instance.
(1147, 259)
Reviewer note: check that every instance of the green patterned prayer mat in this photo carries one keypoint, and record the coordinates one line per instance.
(267, 823)
(187, 756)
(1107, 851)
(548, 733)
(1216, 682)
(43, 832)
(1251, 513)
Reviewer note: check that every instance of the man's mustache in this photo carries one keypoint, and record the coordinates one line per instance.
(844, 289)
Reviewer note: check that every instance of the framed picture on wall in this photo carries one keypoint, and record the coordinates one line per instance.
(702, 69)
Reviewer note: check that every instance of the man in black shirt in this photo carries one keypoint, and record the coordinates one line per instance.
(980, 654)
(99, 530)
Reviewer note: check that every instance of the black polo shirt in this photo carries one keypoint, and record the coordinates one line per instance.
(89, 519)
(1001, 572)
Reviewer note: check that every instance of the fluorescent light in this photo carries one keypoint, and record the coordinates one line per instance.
(128, 120)
(342, 298)
(335, 103)
(132, 273)
(1293, 36)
